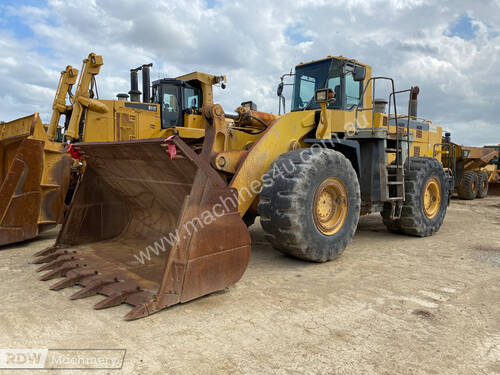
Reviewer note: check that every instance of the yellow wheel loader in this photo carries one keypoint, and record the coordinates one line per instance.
(158, 222)
(36, 171)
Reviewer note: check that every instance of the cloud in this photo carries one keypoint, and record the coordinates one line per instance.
(451, 52)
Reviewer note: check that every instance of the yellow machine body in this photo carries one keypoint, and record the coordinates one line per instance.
(35, 165)
(34, 177)
(201, 181)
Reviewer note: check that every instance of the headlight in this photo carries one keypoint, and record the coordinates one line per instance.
(321, 96)
(324, 95)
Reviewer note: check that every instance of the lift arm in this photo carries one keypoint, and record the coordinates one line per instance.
(90, 68)
(66, 81)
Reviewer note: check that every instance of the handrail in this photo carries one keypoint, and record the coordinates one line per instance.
(374, 79)
(452, 153)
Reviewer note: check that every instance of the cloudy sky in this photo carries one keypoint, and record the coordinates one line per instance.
(451, 49)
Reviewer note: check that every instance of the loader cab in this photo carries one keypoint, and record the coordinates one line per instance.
(344, 77)
(176, 99)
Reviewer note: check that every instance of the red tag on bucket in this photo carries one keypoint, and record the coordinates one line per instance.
(171, 147)
(74, 152)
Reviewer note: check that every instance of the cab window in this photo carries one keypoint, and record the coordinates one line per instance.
(170, 106)
(352, 92)
(192, 98)
(307, 86)
(335, 85)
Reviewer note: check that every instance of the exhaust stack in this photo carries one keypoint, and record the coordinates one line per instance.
(414, 102)
(135, 94)
(146, 82)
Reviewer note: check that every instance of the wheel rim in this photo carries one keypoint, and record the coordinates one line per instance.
(432, 197)
(484, 185)
(473, 185)
(330, 206)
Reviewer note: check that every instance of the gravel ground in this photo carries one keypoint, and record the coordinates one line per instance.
(390, 304)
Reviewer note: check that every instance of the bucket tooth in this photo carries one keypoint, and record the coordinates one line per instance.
(116, 298)
(93, 287)
(47, 251)
(122, 205)
(48, 258)
(60, 271)
(140, 311)
(72, 278)
(57, 262)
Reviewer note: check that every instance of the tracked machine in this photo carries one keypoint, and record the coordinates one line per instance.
(38, 175)
(35, 170)
(183, 199)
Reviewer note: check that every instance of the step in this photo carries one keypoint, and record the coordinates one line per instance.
(393, 150)
(395, 183)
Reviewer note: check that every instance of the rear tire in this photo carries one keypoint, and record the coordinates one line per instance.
(426, 199)
(483, 184)
(309, 204)
(469, 186)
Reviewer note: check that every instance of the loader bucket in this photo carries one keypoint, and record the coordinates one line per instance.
(148, 228)
(34, 178)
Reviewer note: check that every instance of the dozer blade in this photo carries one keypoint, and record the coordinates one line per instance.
(34, 178)
(148, 227)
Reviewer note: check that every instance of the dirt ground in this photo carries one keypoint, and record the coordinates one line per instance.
(390, 304)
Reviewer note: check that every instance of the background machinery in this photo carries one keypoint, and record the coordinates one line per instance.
(36, 169)
(470, 166)
(494, 173)
(157, 222)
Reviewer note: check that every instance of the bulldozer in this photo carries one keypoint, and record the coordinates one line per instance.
(38, 175)
(35, 170)
(161, 221)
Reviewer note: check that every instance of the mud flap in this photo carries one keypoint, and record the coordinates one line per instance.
(148, 227)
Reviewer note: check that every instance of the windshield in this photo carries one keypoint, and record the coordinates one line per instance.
(311, 77)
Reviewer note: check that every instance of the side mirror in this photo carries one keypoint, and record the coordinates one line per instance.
(359, 73)
(279, 91)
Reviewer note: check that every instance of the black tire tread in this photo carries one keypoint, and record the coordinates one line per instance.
(413, 221)
(482, 176)
(464, 189)
(283, 202)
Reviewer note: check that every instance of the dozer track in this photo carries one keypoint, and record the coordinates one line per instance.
(131, 195)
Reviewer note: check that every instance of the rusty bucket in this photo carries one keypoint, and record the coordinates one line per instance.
(148, 227)
(34, 178)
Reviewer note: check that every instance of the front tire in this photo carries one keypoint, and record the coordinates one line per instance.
(310, 203)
